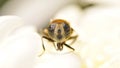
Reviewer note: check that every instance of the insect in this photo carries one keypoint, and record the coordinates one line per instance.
(58, 31)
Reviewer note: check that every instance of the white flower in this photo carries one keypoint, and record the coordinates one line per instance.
(97, 46)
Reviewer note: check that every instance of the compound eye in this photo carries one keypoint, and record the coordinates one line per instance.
(51, 28)
(66, 28)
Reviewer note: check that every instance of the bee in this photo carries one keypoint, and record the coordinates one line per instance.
(59, 31)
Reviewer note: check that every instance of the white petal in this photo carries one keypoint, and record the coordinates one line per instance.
(57, 60)
(112, 63)
(101, 33)
(35, 12)
(9, 24)
(20, 49)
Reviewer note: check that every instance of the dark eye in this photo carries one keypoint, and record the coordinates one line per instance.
(51, 27)
(66, 28)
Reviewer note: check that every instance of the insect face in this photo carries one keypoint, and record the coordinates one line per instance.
(59, 30)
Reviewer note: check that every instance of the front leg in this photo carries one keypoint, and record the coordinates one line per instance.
(49, 39)
(69, 46)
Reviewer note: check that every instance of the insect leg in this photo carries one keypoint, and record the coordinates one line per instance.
(49, 39)
(42, 46)
(43, 43)
(74, 39)
(69, 46)
(54, 45)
